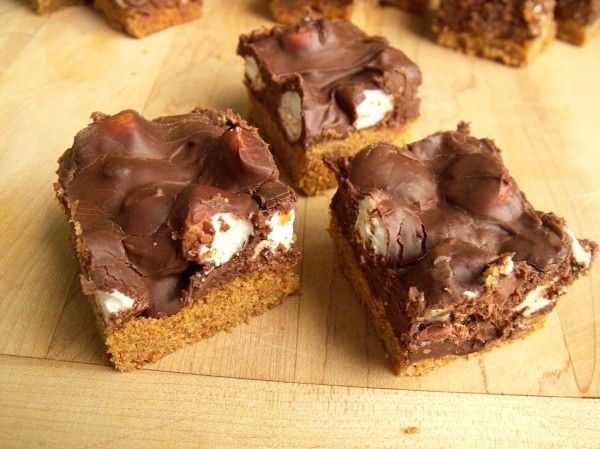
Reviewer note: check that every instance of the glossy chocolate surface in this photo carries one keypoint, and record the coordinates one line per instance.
(125, 182)
(463, 247)
(583, 12)
(330, 64)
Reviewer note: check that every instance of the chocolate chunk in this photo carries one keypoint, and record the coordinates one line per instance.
(238, 162)
(275, 195)
(397, 172)
(479, 184)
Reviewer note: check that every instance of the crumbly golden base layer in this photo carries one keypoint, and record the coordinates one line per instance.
(375, 311)
(141, 22)
(504, 50)
(306, 167)
(574, 33)
(48, 6)
(142, 340)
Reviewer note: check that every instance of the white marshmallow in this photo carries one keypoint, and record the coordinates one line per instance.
(534, 301)
(226, 243)
(112, 302)
(290, 114)
(470, 294)
(281, 234)
(282, 229)
(581, 256)
(253, 74)
(370, 228)
(437, 315)
(506, 265)
(373, 108)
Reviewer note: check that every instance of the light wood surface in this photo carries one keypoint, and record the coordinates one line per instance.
(157, 410)
(288, 378)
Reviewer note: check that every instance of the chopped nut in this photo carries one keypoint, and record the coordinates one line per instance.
(506, 265)
(503, 267)
(470, 294)
(78, 230)
(491, 276)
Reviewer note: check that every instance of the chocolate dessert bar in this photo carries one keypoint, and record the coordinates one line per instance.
(325, 88)
(578, 20)
(138, 18)
(509, 31)
(292, 11)
(181, 227)
(48, 6)
(444, 251)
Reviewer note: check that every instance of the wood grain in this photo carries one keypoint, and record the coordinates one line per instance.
(17, 27)
(66, 405)
(72, 66)
(56, 70)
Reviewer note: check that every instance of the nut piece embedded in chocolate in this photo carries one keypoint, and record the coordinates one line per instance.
(323, 87)
(445, 253)
(171, 216)
(512, 31)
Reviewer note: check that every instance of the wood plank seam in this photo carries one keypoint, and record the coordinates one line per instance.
(74, 285)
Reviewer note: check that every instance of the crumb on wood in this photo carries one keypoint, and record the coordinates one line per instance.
(412, 430)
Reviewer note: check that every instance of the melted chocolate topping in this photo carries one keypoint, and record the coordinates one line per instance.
(127, 182)
(463, 245)
(583, 12)
(330, 64)
(449, 208)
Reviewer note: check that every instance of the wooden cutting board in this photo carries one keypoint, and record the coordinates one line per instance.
(56, 388)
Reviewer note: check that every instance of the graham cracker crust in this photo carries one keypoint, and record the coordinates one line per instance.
(376, 314)
(143, 339)
(575, 33)
(149, 19)
(305, 167)
(503, 50)
(48, 6)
